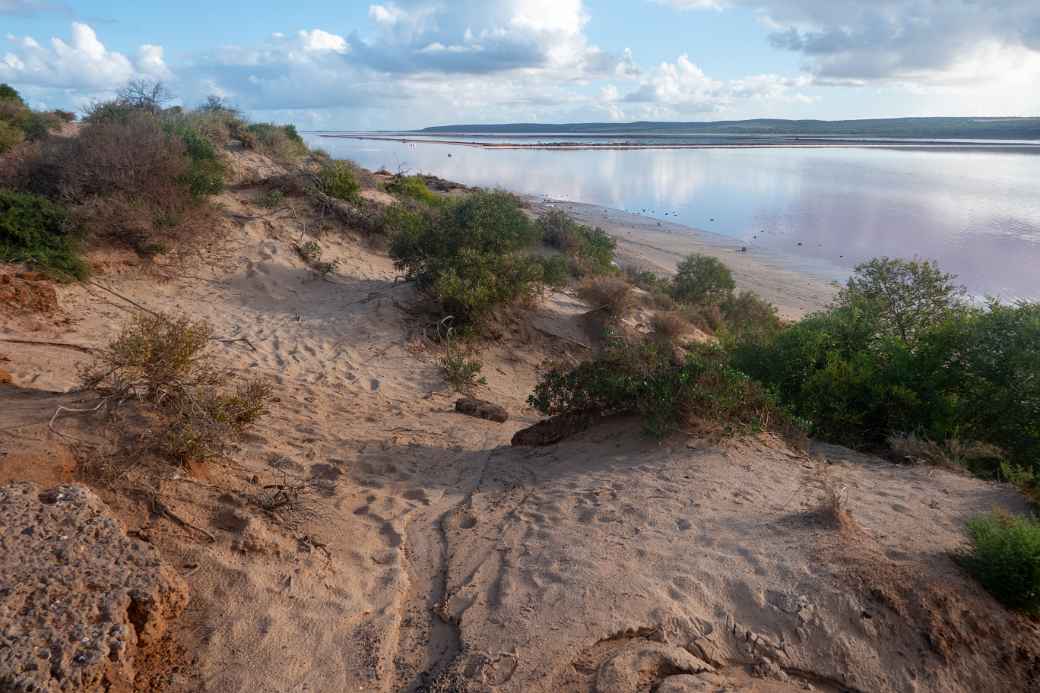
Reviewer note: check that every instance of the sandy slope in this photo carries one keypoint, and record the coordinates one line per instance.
(427, 554)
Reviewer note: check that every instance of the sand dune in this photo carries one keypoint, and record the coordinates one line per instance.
(425, 554)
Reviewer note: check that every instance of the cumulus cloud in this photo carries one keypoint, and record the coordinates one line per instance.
(850, 42)
(81, 63)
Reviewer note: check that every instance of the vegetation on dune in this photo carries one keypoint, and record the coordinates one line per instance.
(875, 365)
(19, 123)
(589, 251)
(163, 361)
(647, 379)
(336, 179)
(702, 280)
(35, 230)
(415, 188)
(1004, 555)
(472, 256)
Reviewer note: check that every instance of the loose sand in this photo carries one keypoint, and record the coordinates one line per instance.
(426, 554)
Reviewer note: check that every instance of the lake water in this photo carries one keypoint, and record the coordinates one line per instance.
(975, 212)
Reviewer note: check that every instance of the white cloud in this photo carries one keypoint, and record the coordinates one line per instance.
(82, 63)
(318, 41)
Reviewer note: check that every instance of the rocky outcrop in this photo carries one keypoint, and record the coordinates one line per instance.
(78, 598)
(480, 409)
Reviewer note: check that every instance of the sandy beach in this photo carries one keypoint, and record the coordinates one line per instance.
(648, 243)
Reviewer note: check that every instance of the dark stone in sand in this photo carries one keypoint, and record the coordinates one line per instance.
(555, 429)
(481, 409)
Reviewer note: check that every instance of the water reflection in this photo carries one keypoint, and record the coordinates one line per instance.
(977, 213)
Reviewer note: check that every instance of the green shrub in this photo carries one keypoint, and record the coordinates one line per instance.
(960, 373)
(35, 230)
(745, 314)
(10, 136)
(461, 372)
(590, 249)
(9, 92)
(336, 179)
(205, 175)
(271, 199)
(280, 142)
(646, 379)
(902, 297)
(415, 188)
(1005, 557)
(472, 256)
(701, 279)
(555, 270)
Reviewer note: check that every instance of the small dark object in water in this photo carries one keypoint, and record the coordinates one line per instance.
(799, 242)
(743, 248)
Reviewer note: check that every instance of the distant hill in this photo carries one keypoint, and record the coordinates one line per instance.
(929, 128)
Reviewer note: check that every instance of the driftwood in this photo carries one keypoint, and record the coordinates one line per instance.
(554, 430)
(62, 345)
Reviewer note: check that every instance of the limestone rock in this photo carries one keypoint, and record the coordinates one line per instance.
(471, 406)
(77, 596)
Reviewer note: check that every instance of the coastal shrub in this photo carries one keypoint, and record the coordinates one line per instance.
(591, 250)
(612, 295)
(271, 199)
(415, 188)
(745, 314)
(460, 371)
(35, 230)
(958, 373)
(10, 136)
(164, 361)
(645, 378)
(280, 142)
(472, 256)
(668, 326)
(701, 279)
(902, 297)
(206, 170)
(7, 92)
(555, 270)
(1004, 556)
(336, 179)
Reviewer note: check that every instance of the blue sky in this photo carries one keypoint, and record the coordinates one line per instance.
(410, 63)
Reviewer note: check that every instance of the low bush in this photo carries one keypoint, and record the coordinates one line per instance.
(668, 326)
(610, 294)
(10, 136)
(461, 372)
(645, 379)
(415, 188)
(555, 270)
(746, 315)
(280, 142)
(472, 256)
(591, 250)
(164, 361)
(702, 280)
(1004, 556)
(337, 179)
(271, 199)
(36, 231)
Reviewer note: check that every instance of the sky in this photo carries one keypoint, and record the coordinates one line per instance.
(396, 64)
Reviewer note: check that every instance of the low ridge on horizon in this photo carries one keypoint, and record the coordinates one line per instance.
(983, 127)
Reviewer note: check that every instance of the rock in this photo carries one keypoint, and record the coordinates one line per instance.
(554, 430)
(482, 410)
(642, 663)
(77, 596)
(5, 377)
(687, 683)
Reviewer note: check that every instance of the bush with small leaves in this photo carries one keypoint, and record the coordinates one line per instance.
(646, 379)
(1004, 555)
(415, 188)
(472, 256)
(164, 361)
(461, 372)
(280, 142)
(591, 250)
(703, 280)
(10, 136)
(35, 230)
(610, 294)
(336, 179)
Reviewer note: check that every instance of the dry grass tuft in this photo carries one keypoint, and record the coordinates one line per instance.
(611, 294)
(669, 326)
(163, 361)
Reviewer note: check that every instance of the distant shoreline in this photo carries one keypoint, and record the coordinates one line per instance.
(806, 143)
